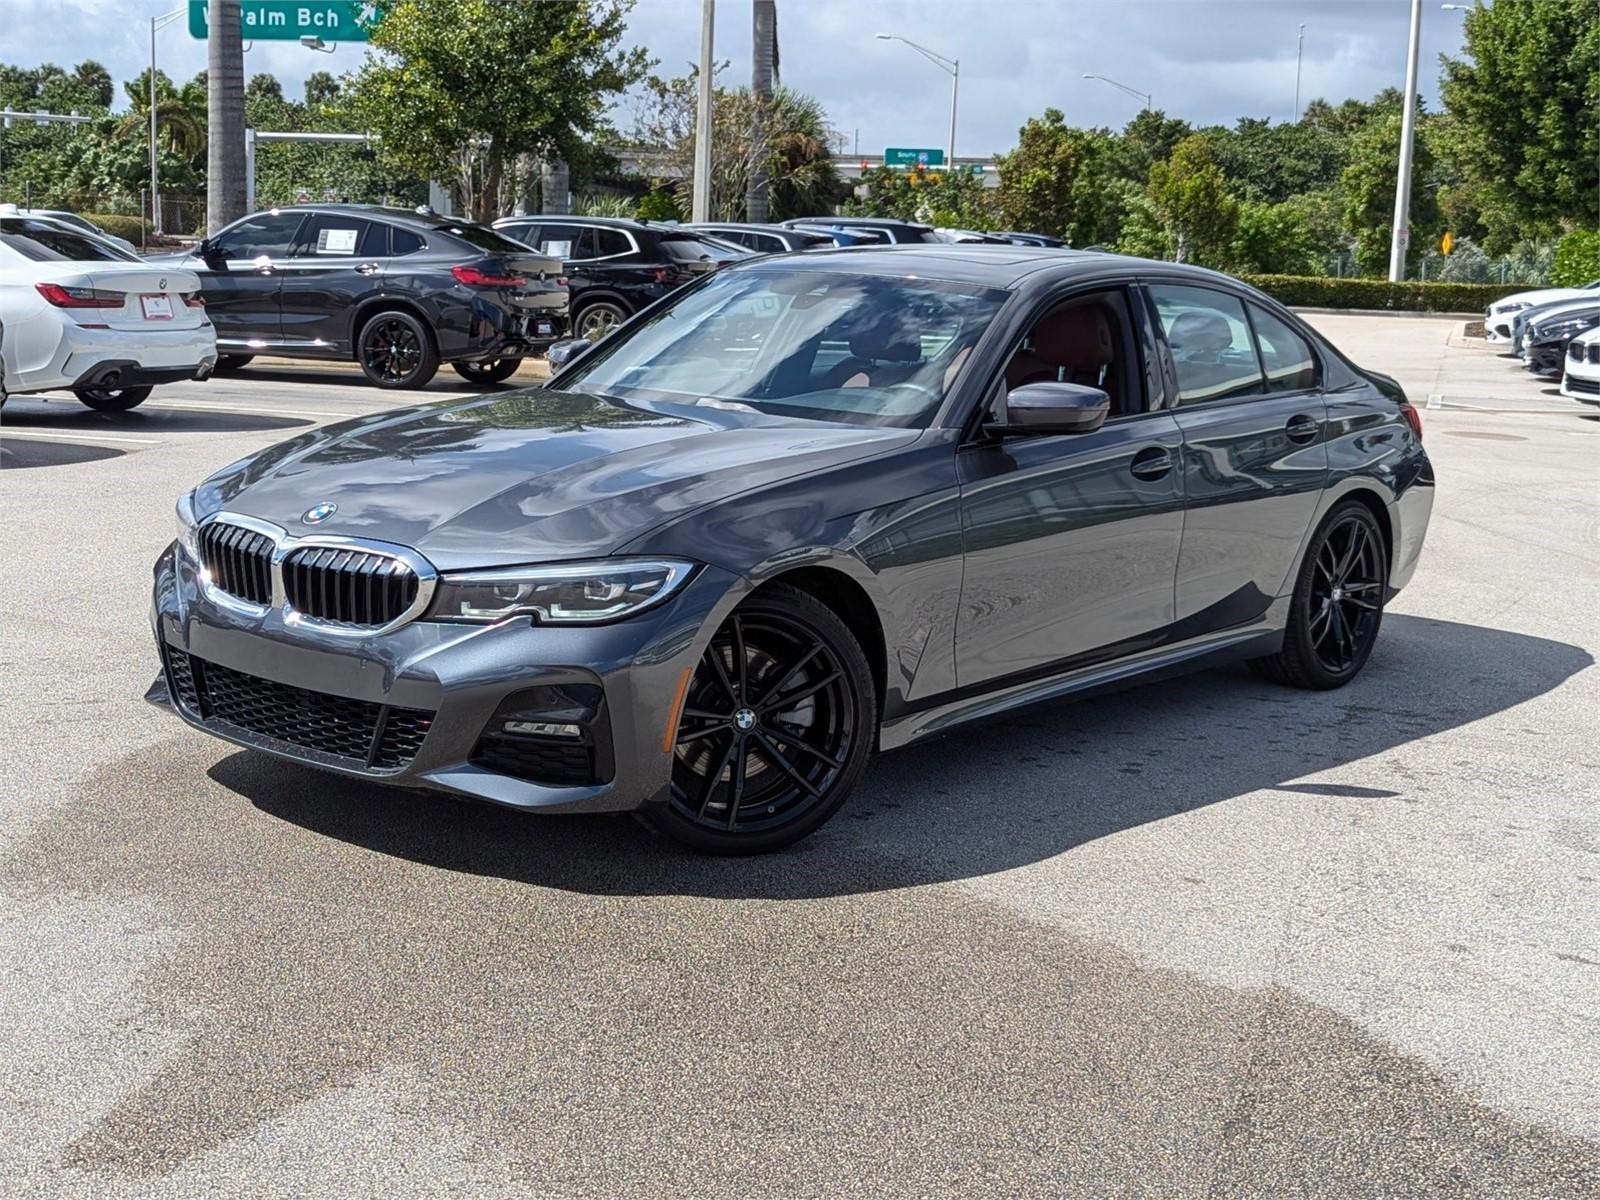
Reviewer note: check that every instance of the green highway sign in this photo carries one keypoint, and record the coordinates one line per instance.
(291, 20)
(901, 156)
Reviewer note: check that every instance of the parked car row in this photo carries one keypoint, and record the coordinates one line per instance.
(1554, 332)
(398, 291)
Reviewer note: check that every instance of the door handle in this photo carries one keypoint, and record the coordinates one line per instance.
(1152, 462)
(1302, 429)
(369, 268)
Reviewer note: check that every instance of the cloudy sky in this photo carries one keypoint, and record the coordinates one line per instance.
(1204, 60)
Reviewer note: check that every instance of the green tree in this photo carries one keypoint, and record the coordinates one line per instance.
(1577, 260)
(180, 115)
(321, 88)
(953, 199)
(1191, 199)
(1062, 181)
(95, 82)
(1149, 139)
(1525, 97)
(265, 87)
(1368, 188)
(463, 89)
(1271, 162)
(1272, 239)
(791, 125)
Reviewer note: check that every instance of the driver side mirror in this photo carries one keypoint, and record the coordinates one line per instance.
(1051, 408)
(559, 354)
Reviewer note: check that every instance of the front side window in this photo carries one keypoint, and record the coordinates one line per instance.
(820, 345)
(1290, 364)
(1209, 337)
(264, 235)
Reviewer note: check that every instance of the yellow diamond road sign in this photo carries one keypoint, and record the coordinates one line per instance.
(1447, 244)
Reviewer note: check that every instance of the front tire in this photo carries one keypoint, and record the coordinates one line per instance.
(1337, 605)
(396, 351)
(113, 400)
(496, 370)
(778, 723)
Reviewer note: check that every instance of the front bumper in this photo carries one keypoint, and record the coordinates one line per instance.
(458, 678)
(1546, 358)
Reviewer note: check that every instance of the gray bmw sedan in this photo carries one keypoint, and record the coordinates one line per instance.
(808, 508)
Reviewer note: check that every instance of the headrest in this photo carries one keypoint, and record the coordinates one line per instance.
(886, 340)
(1203, 331)
(1074, 337)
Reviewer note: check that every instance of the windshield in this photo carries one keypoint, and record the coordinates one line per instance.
(686, 249)
(44, 241)
(828, 346)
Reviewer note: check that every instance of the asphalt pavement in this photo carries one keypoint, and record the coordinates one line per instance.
(1207, 937)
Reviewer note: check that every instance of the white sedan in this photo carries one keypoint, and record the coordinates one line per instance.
(1581, 377)
(1499, 316)
(82, 315)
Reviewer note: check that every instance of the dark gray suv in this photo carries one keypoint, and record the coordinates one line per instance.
(804, 509)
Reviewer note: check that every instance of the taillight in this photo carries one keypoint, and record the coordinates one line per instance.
(1413, 417)
(663, 274)
(79, 297)
(193, 299)
(473, 277)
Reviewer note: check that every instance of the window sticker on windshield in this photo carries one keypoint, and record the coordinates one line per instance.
(336, 241)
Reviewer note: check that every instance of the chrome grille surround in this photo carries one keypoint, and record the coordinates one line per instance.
(406, 565)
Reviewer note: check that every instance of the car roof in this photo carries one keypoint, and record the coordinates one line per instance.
(862, 222)
(387, 212)
(614, 222)
(760, 226)
(986, 264)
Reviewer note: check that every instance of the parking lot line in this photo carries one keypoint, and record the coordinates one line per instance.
(52, 435)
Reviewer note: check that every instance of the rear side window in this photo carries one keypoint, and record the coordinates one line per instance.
(550, 237)
(1212, 349)
(44, 241)
(1290, 364)
(608, 242)
(336, 236)
(403, 241)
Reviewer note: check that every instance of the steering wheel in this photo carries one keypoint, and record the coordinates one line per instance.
(915, 387)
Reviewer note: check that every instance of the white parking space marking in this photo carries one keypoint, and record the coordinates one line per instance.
(56, 436)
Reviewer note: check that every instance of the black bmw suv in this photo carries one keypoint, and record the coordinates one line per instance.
(616, 266)
(399, 291)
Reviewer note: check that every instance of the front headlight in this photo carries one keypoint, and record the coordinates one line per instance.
(188, 527)
(1563, 330)
(586, 593)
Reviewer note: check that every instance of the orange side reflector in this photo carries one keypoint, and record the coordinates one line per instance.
(670, 735)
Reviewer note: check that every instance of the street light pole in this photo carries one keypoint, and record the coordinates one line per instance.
(700, 198)
(953, 66)
(1299, 55)
(155, 177)
(1401, 235)
(1122, 87)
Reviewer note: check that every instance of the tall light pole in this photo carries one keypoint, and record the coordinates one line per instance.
(1299, 55)
(155, 175)
(1401, 236)
(950, 65)
(700, 198)
(1122, 87)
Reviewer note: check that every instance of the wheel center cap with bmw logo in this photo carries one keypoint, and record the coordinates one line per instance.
(319, 513)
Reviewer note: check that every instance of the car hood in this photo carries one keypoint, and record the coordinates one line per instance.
(1544, 296)
(528, 476)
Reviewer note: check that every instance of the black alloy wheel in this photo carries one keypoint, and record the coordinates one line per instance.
(777, 725)
(397, 351)
(1337, 605)
(596, 319)
(227, 364)
(113, 400)
(494, 370)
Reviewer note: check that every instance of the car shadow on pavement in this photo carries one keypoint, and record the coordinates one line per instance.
(68, 416)
(1007, 793)
(445, 381)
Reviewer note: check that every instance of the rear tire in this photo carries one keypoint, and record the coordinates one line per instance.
(778, 723)
(113, 400)
(495, 370)
(396, 351)
(596, 319)
(1337, 606)
(227, 364)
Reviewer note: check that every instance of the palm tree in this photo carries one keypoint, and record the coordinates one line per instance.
(763, 74)
(180, 128)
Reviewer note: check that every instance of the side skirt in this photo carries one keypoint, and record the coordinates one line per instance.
(1261, 637)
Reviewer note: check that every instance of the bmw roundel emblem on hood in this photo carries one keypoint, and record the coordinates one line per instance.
(318, 513)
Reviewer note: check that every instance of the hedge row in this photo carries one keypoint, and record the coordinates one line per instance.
(131, 228)
(1411, 296)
